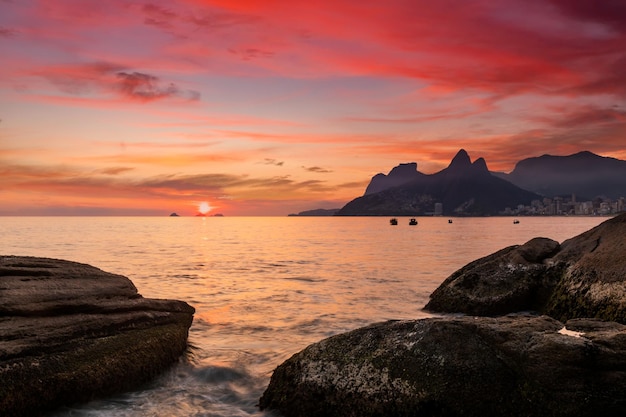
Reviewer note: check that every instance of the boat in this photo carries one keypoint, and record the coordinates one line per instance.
(412, 222)
(515, 221)
(393, 222)
(449, 220)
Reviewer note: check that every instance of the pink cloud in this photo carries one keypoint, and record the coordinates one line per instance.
(7, 32)
(450, 44)
(158, 16)
(84, 79)
(387, 81)
(453, 45)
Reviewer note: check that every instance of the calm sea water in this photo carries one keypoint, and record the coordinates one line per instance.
(266, 287)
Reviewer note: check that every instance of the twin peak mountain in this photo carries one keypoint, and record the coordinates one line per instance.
(466, 188)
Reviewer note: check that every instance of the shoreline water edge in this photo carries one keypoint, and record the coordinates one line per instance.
(212, 332)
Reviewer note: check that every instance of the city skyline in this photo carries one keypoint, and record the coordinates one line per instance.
(270, 108)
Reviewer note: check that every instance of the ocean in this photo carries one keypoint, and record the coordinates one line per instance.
(266, 287)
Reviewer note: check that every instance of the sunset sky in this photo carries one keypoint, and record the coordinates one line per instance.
(273, 107)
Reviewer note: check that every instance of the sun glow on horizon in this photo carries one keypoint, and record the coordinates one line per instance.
(204, 207)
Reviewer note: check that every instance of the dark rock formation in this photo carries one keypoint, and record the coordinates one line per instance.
(70, 332)
(516, 365)
(583, 277)
(466, 366)
(512, 279)
(584, 174)
(594, 284)
(463, 188)
(316, 212)
(399, 175)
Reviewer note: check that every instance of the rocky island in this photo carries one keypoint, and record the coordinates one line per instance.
(71, 332)
(536, 330)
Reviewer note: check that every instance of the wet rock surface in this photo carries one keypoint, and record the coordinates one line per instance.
(585, 276)
(510, 280)
(594, 284)
(463, 366)
(70, 332)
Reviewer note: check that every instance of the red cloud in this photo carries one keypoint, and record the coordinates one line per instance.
(503, 47)
(609, 12)
(158, 16)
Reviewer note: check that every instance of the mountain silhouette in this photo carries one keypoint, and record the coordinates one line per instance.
(584, 174)
(401, 174)
(463, 188)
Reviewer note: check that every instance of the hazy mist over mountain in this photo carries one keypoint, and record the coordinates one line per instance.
(584, 174)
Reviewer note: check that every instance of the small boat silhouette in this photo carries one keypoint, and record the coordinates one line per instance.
(515, 221)
(412, 222)
(393, 222)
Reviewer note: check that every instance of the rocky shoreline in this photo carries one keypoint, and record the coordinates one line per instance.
(536, 330)
(71, 332)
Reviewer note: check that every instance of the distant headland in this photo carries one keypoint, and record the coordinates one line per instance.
(580, 184)
(317, 212)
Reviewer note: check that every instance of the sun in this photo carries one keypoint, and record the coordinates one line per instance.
(204, 207)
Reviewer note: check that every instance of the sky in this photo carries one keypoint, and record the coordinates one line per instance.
(274, 107)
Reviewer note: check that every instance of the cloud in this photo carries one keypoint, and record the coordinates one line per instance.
(205, 183)
(585, 117)
(271, 161)
(242, 186)
(79, 79)
(74, 183)
(116, 170)
(318, 170)
(215, 18)
(609, 79)
(7, 32)
(502, 48)
(319, 81)
(158, 16)
(248, 54)
(609, 12)
(85, 79)
(145, 87)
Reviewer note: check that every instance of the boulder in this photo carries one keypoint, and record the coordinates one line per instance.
(490, 364)
(594, 283)
(457, 366)
(512, 279)
(585, 276)
(70, 332)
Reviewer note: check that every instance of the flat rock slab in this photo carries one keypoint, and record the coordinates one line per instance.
(464, 366)
(71, 332)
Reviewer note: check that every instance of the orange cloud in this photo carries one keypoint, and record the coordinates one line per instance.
(90, 190)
